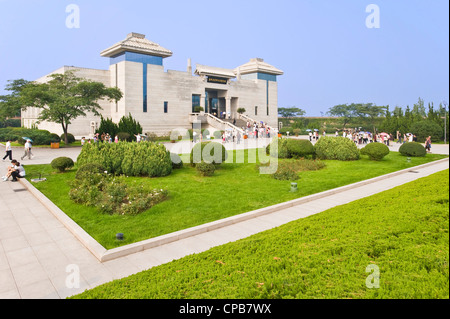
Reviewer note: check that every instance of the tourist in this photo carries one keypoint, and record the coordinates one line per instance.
(9, 170)
(428, 144)
(27, 149)
(116, 139)
(83, 141)
(18, 172)
(138, 138)
(8, 150)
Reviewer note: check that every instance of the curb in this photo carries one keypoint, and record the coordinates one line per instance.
(103, 254)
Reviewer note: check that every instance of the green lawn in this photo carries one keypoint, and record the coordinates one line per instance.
(195, 200)
(403, 231)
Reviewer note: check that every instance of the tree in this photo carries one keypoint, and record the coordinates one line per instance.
(288, 112)
(370, 111)
(66, 97)
(344, 111)
(10, 105)
(129, 125)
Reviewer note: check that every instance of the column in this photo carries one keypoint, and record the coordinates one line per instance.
(202, 103)
(228, 107)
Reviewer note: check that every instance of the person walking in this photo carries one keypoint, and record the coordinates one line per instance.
(27, 149)
(8, 150)
(428, 144)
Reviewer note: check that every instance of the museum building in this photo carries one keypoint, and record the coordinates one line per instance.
(162, 101)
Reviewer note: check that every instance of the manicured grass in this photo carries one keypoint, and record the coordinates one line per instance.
(195, 200)
(402, 231)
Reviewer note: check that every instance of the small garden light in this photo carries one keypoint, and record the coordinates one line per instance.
(119, 236)
(294, 187)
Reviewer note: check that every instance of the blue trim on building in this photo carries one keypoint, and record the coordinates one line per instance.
(136, 57)
(144, 80)
(267, 77)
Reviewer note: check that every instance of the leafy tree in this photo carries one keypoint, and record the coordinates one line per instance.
(10, 105)
(108, 126)
(66, 97)
(370, 111)
(129, 125)
(288, 112)
(344, 111)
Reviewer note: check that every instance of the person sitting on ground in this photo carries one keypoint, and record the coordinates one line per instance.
(18, 172)
(11, 168)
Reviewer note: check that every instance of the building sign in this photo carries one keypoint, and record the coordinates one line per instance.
(214, 79)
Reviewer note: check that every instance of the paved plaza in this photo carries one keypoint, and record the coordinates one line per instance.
(39, 254)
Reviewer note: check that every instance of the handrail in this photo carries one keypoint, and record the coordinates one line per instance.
(248, 118)
(210, 117)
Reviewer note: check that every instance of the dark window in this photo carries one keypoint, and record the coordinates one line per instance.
(195, 101)
(256, 110)
(166, 107)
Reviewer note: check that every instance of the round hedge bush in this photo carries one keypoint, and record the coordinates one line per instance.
(336, 148)
(412, 149)
(209, 152)
(282, 150)
(70, 138)
(176, 161)
(205, 169)
(375, 151)
(299, 148)
(62, 163)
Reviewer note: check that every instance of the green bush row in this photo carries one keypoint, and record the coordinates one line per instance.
(39, 137)
(131, 159)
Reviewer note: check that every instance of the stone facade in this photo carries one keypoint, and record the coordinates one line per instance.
(161, 100)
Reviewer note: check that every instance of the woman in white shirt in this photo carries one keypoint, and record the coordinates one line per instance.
(18, 172)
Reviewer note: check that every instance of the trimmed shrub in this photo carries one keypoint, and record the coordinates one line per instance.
(209, 152)
(62, 163)
(132, 159)
(412, 149)
(70, 138)
(299, 148)
(282, 151)
(336, 148)
(176, 161)
(205, 169)
(55, 138)
(375, 151)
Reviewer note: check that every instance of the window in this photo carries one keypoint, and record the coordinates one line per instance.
(256, 110)
(166, 107)
(144, 80)
(195, 101)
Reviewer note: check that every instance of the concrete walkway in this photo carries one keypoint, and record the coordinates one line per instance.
(39, 256)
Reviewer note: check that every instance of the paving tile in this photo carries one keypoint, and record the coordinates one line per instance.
(43, 289)
(15, 243)
(20, 257)
(28, 274)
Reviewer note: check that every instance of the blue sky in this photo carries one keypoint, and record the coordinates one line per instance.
(328, 54)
